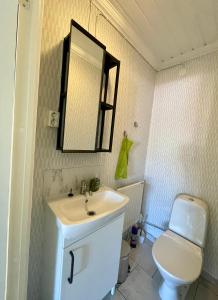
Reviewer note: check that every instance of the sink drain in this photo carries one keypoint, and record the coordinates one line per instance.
(91, 213)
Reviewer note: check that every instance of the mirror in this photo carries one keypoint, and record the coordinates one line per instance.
(85, 65)
(83, 91)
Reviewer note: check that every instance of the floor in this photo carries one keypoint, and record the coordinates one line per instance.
(144, 280)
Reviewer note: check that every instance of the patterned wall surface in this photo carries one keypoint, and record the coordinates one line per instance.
(56, 172)
(183, 145)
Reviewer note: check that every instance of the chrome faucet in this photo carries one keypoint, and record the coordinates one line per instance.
(83, 187)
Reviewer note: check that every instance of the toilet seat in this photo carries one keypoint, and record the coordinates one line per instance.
(178, 258)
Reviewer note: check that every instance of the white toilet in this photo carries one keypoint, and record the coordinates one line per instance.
(178, 252)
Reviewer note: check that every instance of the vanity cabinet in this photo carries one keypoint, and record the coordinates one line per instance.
(86, 269)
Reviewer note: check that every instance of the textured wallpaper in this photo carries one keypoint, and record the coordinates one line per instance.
(56, 172)
(183, 145)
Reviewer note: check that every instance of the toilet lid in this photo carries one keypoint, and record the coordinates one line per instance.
(177, 256)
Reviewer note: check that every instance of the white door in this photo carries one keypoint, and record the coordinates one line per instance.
(90, 267)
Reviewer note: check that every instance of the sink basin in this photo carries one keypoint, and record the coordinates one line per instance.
(73, 214)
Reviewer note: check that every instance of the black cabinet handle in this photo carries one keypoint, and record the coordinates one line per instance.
(70, 279)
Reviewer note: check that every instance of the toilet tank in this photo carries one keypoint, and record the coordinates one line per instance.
(189, 218)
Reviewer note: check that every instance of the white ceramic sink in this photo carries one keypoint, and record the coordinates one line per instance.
(72, 213)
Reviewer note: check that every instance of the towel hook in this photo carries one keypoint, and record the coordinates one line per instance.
(125, 134)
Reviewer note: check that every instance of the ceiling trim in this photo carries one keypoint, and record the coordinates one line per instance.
(125, 27)
(189, 56)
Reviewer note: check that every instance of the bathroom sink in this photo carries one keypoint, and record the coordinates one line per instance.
(75, 217)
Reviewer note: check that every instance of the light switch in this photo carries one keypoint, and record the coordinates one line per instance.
(53, 119)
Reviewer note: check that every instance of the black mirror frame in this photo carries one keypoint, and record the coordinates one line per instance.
(109, 62)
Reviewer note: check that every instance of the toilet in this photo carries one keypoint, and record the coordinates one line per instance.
(178, 252)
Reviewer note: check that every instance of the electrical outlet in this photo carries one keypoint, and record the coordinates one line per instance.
(53, 119)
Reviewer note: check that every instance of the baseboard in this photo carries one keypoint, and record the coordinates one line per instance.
(150, 237)
(209, 278)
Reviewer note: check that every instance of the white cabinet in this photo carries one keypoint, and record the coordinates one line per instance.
(92, 263)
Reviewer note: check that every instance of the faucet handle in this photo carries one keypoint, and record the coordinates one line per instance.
(70, 194)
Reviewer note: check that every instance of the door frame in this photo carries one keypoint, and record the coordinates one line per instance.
(7, 99)
(29, 33)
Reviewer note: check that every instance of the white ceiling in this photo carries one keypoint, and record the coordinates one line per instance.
(166, 32)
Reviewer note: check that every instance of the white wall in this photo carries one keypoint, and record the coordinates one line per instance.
(183, 145)
(135, 97)
(8, 17)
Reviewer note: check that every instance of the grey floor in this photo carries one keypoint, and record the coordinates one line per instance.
(144, 280)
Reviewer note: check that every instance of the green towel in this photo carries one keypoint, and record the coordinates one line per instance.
(121, 170)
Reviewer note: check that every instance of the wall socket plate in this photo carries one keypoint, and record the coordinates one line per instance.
(53, 119)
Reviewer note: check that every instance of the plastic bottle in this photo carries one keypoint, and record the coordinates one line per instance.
(134, 236)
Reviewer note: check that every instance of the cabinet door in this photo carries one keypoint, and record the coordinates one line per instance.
(95, 263)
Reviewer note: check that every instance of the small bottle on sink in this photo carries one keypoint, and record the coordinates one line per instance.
(94, 184)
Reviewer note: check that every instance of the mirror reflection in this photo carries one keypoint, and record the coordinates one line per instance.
(83, 92)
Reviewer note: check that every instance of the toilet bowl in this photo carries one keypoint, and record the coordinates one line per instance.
(179, 262)
(178, 252)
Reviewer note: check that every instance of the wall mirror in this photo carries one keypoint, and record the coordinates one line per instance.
(84, 123)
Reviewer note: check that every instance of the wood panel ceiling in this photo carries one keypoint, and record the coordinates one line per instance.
(166, 32)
